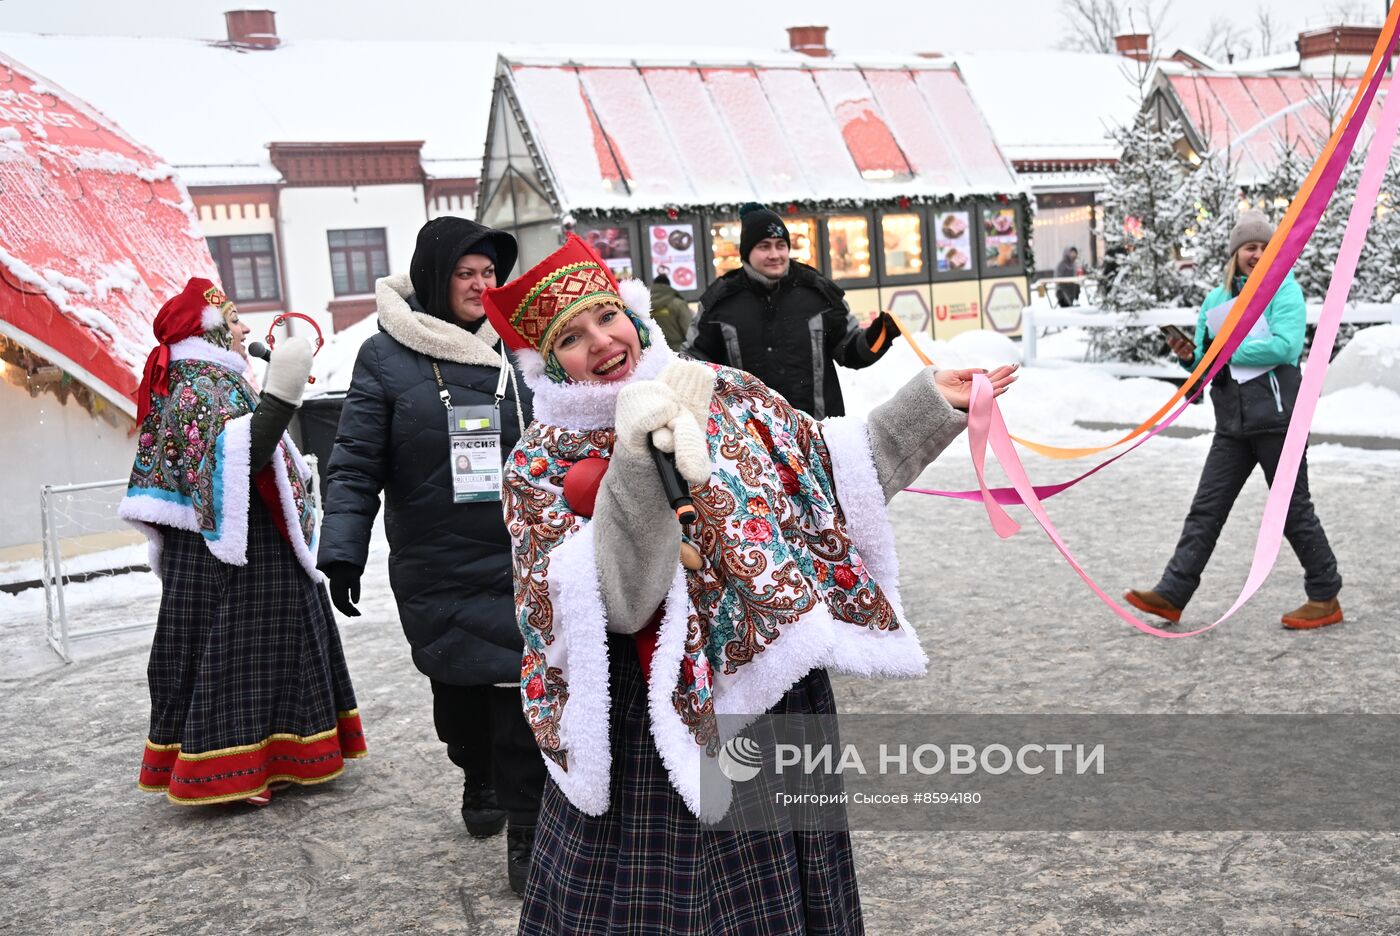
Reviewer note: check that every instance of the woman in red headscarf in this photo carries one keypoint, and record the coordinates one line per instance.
(248, 682)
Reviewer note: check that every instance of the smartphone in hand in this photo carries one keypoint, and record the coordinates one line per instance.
(1175, 334)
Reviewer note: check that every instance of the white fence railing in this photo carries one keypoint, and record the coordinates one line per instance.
(81, 531)
(1038, 317)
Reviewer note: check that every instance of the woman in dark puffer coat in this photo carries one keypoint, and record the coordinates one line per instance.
(449, 561)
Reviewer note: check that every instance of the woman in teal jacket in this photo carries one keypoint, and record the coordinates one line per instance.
(1252, 411)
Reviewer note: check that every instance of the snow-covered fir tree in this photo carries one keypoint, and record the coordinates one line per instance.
(1378, 274)
(1215, 199)
(1147, 207)
(1313, 269)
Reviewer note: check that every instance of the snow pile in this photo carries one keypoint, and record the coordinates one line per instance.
(1372, 357)
(335, 363)
(1363, 410)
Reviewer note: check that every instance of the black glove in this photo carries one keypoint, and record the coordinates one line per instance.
(344, 586)
(881, 325)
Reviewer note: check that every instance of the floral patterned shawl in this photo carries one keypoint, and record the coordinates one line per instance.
(799, 572)
(192, 467)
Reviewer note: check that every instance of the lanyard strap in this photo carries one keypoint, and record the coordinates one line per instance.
(501, 380)
(442, 388)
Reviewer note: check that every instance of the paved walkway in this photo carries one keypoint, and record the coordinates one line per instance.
(1008, 626)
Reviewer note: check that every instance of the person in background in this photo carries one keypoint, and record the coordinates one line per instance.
(249, 688)
(1067, 293)
(783, 321)
(639, 637)
(671, 311)
(1251, 420)
(449, 558)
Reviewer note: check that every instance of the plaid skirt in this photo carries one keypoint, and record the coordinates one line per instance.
(247, 677)
(647, 867)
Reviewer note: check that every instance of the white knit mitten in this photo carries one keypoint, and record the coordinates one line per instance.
(287, 370)
(643, 407)
(686, 439)
(693, 384)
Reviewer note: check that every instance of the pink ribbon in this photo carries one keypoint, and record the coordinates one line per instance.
(987, 427)
(1295, 240)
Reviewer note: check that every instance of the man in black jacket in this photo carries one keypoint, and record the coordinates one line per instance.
(449, 556)
(783, 321)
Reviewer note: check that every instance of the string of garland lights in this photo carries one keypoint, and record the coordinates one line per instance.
(1021, 201)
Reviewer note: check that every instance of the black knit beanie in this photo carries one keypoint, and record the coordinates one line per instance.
(759, 223)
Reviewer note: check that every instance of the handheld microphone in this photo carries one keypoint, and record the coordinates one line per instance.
(677, 492)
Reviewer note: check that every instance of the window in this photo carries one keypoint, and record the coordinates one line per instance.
(247, 267)
(358, 258)
(848, 246)
(803, 235)
(902, 239)
(724, 236)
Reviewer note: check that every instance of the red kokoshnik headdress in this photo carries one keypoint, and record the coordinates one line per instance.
(528, 312)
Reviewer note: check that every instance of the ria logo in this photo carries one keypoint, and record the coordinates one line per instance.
(740, 759)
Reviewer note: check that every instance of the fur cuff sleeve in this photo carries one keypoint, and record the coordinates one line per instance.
(909, 430)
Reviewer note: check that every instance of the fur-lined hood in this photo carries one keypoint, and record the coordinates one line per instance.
(431, 336)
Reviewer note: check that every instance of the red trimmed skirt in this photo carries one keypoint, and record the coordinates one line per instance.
(248, 679)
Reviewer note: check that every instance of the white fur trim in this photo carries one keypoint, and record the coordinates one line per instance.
(695, 776)
(427, 335)
(637, 297)
(862, 501)
(583, 726)
(306, 555)
(148, 514)
(200, 350)
(234, 446)
(211, 318)
(584, 406)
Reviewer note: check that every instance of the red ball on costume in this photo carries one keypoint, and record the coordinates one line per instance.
(581, 483)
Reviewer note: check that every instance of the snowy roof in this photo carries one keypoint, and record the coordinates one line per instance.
(1256, 117)
(1052, 105)
(95, 232)
(724, 128)
(211, 110)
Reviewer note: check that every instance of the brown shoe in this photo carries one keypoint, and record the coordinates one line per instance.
(1314, 614)
(1153, 603)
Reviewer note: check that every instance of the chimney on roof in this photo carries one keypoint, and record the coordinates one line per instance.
(809, 40)
(1134, 45)
(252, 29)
(1345, 49)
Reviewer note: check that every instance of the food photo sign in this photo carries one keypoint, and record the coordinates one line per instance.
(673, 253)
(953, 239)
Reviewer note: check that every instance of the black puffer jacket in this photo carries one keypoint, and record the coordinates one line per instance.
(449, 564)
(791, 337)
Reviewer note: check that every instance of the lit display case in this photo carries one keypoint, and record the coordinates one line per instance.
(848, 250)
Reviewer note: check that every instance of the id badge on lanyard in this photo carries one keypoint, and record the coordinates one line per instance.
(473, 445)
(474, 441)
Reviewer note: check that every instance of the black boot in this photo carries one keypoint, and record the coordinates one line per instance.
(520, 842)
(480, 812)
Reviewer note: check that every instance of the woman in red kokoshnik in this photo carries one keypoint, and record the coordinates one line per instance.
(248, 682)
(637, 640)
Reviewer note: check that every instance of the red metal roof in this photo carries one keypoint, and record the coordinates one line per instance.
(639, 135)
(1258, 116)
(95, 232)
